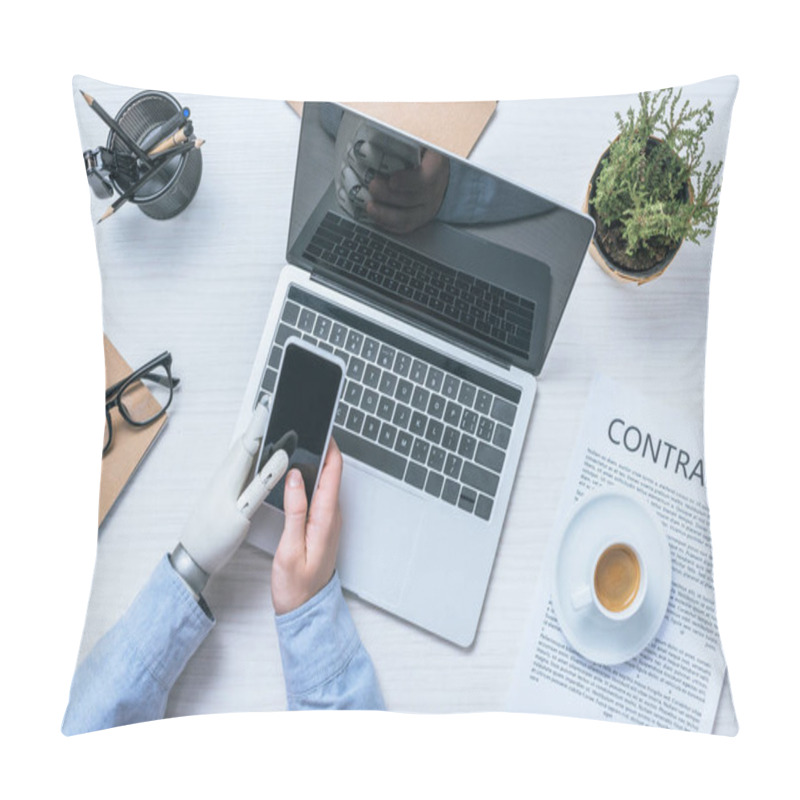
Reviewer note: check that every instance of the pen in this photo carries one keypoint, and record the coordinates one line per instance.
(131, 191)
(114, 125)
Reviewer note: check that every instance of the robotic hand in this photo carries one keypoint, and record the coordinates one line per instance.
(221, 520)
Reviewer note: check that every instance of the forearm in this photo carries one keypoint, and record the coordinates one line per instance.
(325, 665)
(128, 674)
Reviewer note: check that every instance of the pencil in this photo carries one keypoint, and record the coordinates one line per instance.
(176, 121)
(131, 191)
(114, 125)
(179, 137)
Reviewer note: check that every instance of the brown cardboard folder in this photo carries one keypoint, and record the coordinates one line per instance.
(452, 126)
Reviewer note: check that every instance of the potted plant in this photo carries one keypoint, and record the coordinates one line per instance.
(650, 190)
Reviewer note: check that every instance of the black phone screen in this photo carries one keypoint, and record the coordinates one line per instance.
(304, 402)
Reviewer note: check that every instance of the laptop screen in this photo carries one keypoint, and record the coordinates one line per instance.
(432, 238)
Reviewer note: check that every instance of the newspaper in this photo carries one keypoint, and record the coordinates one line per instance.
(675, 682)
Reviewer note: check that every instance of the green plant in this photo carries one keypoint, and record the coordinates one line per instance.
(652, 190)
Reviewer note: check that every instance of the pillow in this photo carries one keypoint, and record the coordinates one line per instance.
(608, 520)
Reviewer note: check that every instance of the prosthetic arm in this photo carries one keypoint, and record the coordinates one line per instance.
(221, 519)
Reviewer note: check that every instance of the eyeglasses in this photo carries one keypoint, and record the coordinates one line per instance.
(142, 397)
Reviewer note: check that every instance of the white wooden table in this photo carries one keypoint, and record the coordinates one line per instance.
(200, 285)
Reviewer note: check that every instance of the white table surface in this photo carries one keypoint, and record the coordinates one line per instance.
(200, 285)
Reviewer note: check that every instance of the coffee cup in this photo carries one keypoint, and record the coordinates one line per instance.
(617, 582)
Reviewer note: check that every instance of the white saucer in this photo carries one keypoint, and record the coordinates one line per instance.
(593, 635)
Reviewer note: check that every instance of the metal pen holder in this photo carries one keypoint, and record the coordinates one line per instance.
(161, 185)
(174, 185)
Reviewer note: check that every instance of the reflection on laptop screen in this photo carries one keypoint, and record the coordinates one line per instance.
(430, 236)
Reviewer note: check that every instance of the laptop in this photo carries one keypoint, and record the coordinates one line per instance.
(441, 286)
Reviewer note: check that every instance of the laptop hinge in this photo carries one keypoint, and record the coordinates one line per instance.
(364, 295)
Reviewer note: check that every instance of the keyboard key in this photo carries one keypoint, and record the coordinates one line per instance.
(355, 419)
(434, 483)
(466, 395)
(354, 342)
(403, 443)
(450, 387)
(386, 356)
(322, 328)
(352, 393)
(490, 457)
(283, 333)
(418, 371)
(479, 478)
(270, 379)
(419, 422)
(485, 429)
(450, 438)
(370, 349)
(306, 320)
(341, 413)
(387, 435)
(368, 453)
(469, 421)
(355, 369)
(404, 391)
(452, 414)
(369, 401)
(275, 357)
(503, 411)
(402, 416)
(452, 466)
(436, 458)
(466, 500)
(434, 431)
(434, 379)
(415, 475)
(385, 407)
(388, 383)
(466, 447)
(483, 508)
(436, 406)
(483, 403)
(338, 335)
(419, 452)
(290, 312)
(450, 492)
(372, 376)
(402, 364)
(372, 427)
(502, 436)
(419, 399)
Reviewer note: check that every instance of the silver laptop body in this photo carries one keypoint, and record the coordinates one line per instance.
(444, 328)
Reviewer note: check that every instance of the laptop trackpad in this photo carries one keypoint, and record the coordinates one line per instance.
(380, 522)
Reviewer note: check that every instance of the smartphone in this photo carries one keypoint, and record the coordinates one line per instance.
(308, 389)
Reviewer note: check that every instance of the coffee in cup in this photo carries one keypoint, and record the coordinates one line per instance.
(617, 582)
(617, 576)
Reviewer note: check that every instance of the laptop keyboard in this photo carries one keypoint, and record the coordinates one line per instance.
(489, 312)
(438, 425)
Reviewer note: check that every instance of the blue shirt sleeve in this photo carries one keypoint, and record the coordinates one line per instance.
(325, 664)
(128, 674)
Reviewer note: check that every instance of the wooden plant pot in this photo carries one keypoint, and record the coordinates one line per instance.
(606, 262)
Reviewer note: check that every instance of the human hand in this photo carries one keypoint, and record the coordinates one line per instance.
(216, 527)
(410, 198)
(306, 556)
